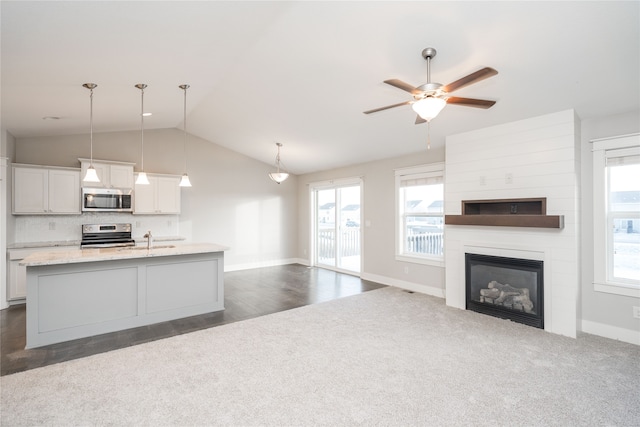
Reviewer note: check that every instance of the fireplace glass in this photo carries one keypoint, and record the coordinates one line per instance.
(509, 288)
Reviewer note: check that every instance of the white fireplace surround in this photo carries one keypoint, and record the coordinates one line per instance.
(532, 158)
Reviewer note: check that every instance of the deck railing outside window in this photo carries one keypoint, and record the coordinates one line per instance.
(350, 242)
(425, 243)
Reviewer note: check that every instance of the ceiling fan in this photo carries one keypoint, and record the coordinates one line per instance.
(430, 98)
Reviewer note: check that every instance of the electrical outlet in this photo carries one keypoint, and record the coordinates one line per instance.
(137, 223)
(636, 312)
(483, 180)
(406, 270)
(52, 226)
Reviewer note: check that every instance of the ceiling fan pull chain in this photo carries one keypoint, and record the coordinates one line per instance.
(429, 135)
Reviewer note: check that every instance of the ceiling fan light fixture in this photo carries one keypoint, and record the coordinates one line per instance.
(429, 107)
(278, 176)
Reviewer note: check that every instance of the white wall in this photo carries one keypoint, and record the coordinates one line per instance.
(540, 156)
(232, 202)
(7, 153)
(603, 313)
(378, 249)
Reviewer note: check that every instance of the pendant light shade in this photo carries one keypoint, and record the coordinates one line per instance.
(92, 175)
(429, 107)
(142, 179)
(184, 182)
(278, 176)
(142, 176)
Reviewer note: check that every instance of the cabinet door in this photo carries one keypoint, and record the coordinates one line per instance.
(17, 280)
(30, 190)
(168, 195)
(64, 191)
(144, 197)
(121, 176)
(161, 196)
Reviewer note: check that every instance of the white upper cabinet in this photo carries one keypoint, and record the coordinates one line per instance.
(121, 176)
(111, 174)
(160, 196)
(38, 190)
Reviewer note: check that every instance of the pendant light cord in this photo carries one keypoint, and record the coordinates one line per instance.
(91, 124)
(278, 157)
(185, 87)
(142, 130)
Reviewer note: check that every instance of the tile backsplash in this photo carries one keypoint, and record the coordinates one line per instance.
(61, 228)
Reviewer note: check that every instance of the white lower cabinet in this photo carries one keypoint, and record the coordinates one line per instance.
(17, 284)
(160, 196)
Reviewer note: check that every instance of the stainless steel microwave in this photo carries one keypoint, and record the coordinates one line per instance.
(107, 200)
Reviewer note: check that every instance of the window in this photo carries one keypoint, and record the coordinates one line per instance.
(420, 214)
(616, 183)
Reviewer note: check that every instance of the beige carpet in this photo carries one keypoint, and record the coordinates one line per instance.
(385, 357)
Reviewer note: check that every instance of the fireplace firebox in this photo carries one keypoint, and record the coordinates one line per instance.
(509, 288)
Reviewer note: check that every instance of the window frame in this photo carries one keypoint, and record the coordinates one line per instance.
(603, 280)
(415, 172)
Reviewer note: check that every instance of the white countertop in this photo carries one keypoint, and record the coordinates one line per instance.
(107, 254)
(70, 243)
(49, 244)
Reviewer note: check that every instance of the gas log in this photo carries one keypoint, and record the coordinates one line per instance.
(507, 296)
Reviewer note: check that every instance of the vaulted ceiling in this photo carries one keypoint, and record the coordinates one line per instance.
(302, 73)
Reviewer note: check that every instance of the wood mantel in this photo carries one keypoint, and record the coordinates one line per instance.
(530, 212)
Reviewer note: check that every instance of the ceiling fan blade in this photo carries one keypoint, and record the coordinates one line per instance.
(470, 102)
(420, 120)
(470, 79)
(387, 107)
(402, 85)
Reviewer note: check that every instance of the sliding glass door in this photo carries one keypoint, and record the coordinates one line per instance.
(337, 220)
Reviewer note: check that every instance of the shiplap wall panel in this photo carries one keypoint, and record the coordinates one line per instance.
(540, 156)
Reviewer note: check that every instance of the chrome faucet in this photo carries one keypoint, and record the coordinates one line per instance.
(148, 236)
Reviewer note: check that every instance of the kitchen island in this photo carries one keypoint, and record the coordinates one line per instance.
(85, 292)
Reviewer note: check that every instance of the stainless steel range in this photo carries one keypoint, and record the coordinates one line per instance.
(106, 235)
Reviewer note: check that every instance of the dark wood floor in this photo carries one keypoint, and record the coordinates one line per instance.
(248, 294)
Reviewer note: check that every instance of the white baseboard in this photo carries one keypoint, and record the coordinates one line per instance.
(389, 281)
(615, 333)
(410, 286)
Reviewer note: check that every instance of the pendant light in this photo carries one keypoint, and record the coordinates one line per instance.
(184, 182)
(278, 176)
(91, 175)
(142, 176)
